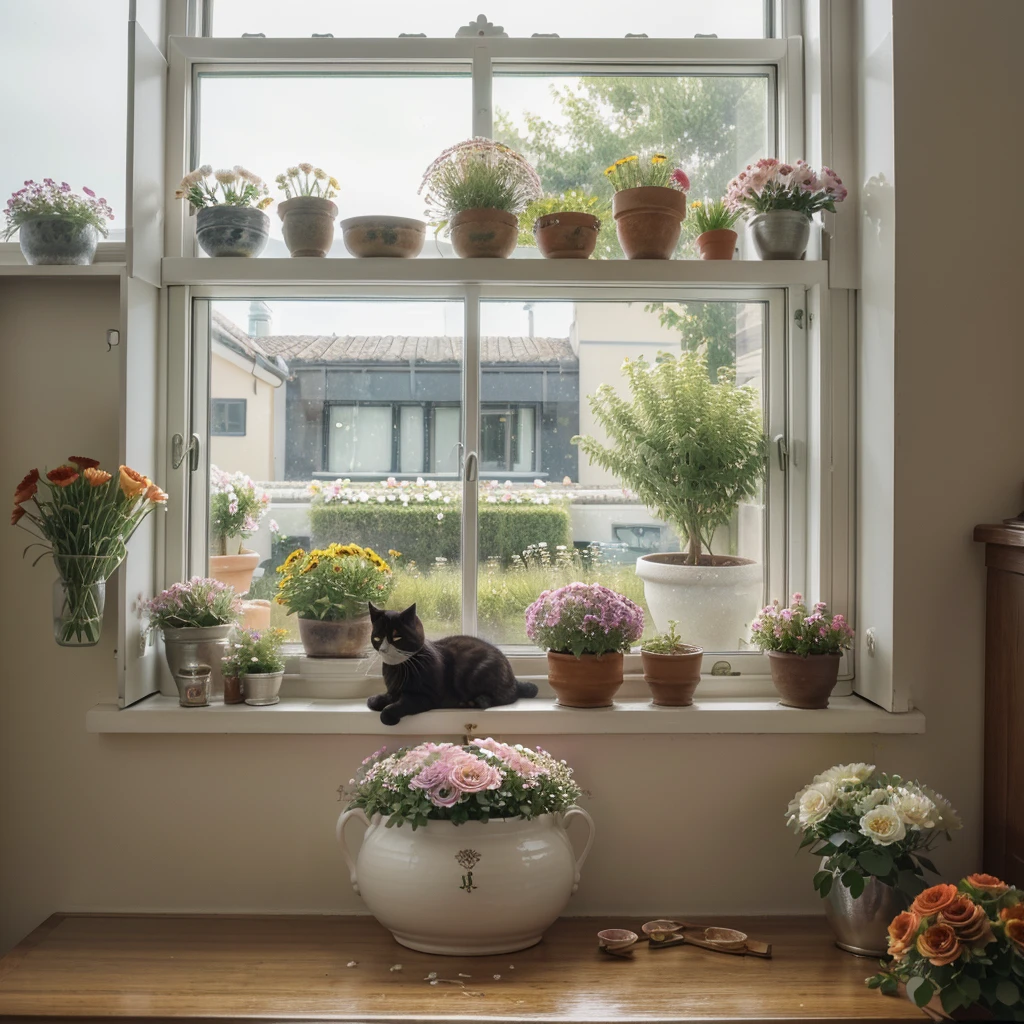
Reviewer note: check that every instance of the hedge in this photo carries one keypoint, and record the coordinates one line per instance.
(506, 530)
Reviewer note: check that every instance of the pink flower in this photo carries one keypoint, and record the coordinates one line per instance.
(679, 180)
(474, 775)
(797, 598)
(89, 192)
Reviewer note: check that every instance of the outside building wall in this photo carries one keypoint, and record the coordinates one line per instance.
(254, 453)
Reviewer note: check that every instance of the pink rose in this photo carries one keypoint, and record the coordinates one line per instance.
(472, 775)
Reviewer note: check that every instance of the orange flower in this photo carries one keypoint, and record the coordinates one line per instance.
(939, 944)
(901, 933)
(969, 921)
(27, 487)
(155, 495)
(16, 514)
(83, 462)
(133, 484)
(62, 476)
(932, 900)
(987, 884)
(1015, 913)
(1015, 933)
(96, 477)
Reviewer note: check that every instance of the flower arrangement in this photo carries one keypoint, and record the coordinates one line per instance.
(233, 187)
(255, 652)
(306, 180)
(236, 508)
(869, 825)
(772, 185)
(584, 618)
(962, 943)
(334, 583)
(444, 782)
(638, 171)
(711, 215)
(669, 642)
(196, 604)
(478, 174)
(570, 201)
(49, 199)
(798, 630)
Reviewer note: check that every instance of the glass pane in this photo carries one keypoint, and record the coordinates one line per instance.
(524, 440)
(326, 383)
(737, 19)
(569, 519)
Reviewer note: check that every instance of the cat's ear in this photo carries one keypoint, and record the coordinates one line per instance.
(375, 612)
(409, 613)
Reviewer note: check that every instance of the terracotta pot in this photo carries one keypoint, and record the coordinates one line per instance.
(347, 638)
(307, 223)
(804, 681)
(235, 570)
(673, 677)
(717, 245)
(491, 234)
(375, 236)
(256, 614)
(589, 681)
(566, 236)
(233, 690)
(648, 221)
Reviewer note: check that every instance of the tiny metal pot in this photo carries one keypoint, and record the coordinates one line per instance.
(193, 682)
(589, 681)
(486, 233)
(566, 236)
(307, 223)
(232, 230)
(780, 234)
(262, 688)
(861, 924)
(198, 645)
(804, 681)
(51, 241)
(672, 678)
(346, 638)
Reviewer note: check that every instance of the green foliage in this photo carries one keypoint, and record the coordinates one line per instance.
(572, 201)
(707, 327)
(665, 643)
(640, 171)
(710, 215)
(334, 583)
(254, 651)
(691, 449)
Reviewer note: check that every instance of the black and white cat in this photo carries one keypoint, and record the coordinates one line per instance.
(421, 674)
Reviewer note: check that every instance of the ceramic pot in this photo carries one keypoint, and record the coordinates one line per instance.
(232, 230)
(648, 221)
(804, 681)
(262, 688)
(52, 241)
(467, 890)
(861, 925)
(485, 233)
(566, 236)
(780, 234)
(716, 600)
(673, 677)
(198, 645)
(347, 638)
(235, 570)
(307, 223)
(589, 681)
(375, 236)
(717, 245)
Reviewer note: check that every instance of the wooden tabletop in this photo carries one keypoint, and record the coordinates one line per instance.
(296, 968)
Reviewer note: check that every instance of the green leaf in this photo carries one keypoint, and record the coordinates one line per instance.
(910, 882)
(819, 878)
(826, 886)
(875, 861)
(890, 986)
(926, 864)
(951, 999)
(837, 839)
(920, 991)
(1007, 993)
(854, 881)
(970, 988)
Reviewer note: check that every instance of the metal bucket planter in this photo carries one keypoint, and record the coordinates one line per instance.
(232, 230)
(780, 234)
(861, 924)
(55, 241)
(198, 645)
(262, 688)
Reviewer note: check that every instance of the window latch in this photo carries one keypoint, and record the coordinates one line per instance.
(782, 450)
(798, 316)
(179, 452)
(471, 467)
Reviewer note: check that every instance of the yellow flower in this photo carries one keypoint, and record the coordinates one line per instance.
(333, 182)
(658, 158)
(133, 484)
(630, 159)
(394, 554)
(312, 564)
(696, 205)
(611, 169)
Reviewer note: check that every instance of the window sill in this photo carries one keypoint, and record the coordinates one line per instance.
(539, 717)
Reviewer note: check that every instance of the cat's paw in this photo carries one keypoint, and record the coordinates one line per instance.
(378, 701)
(390, 716)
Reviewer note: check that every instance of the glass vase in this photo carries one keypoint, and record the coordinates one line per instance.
(78, 597)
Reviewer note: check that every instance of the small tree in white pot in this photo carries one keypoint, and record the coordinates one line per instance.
(692, 450)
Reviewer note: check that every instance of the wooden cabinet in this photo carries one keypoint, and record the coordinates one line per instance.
(1004, 702)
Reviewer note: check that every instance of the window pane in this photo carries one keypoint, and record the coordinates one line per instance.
(445, 441)
(524, 440)
(360, 439)
(411, 439)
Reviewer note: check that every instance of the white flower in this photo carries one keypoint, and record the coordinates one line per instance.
(883, 826)
(847, 774)
(871, 800)
(306, 168)
(226, 177)
(815, 802)
(945, 815)
(915, 809)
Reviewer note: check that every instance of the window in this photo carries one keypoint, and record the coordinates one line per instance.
(227, 417)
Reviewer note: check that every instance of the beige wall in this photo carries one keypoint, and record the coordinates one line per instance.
(254, 453)
(245, 823)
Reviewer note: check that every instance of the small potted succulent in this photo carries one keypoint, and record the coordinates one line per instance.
(56, 225)
(671, 668)
(712, 222)
(649, 205)
(804, 647)
(585, 628)
(330, 591)
(236, 508)
(565, 227)
(254, 658)
(476, 190)
(307, 213)
(229, 210)
(781, 199)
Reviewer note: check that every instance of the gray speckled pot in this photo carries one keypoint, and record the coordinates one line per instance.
(232, 230)
(55, 240)
(307, 223)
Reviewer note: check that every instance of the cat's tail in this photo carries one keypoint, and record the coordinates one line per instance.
(525, 689)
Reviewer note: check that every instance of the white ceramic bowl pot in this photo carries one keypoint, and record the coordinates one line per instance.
(467, 890)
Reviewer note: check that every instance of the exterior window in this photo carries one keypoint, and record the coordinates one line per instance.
(507, 442)
(227, 417)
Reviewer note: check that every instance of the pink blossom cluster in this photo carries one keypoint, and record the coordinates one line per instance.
(771, 184)
(584, 618)
(199, 602)
(424, 492)
(799, 630)
(48, 199)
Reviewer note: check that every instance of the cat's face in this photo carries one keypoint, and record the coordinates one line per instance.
(397, 635)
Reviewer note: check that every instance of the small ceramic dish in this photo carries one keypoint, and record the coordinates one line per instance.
(617, 938)
(661, 928)
(725, 938)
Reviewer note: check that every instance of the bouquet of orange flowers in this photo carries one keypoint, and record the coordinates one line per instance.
(962, 945)
(84, 523)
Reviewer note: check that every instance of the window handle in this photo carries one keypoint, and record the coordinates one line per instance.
(471, 467)
(783, 451)
(179, 451)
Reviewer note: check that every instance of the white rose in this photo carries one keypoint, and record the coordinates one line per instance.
(815, 802)
(883, 826)
(945, 815)
(915, 810)
(847, 774)
(871, 800)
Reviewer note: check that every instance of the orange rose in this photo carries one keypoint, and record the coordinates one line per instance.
(155, 495)
(132, 484)
(969, 921)
(932, 900)
(1015, 933)
(1015, 913)
(939, 944)
(901, 933)
(987, 884)
(27, 487)
(62, 476)
(16, 514)
(96, 477)
(83, 462)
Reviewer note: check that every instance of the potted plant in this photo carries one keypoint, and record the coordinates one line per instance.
(585, 628)
(565, 227)
(85, 524)
(56, 225)
(871, 832)
(307, 213)
(376, 235)
(486, 866)
(475, 190)
(330, 591)
(236, 509)
(692, 450)
(958, 951)
(229, 210)
(649, 204)
(671, 668)
(782, 199)
(712, 222)
(804, 647)
(195, 619)
(254, 657)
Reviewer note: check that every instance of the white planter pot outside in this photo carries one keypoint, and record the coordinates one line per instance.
(467, 890)
(713, 604)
